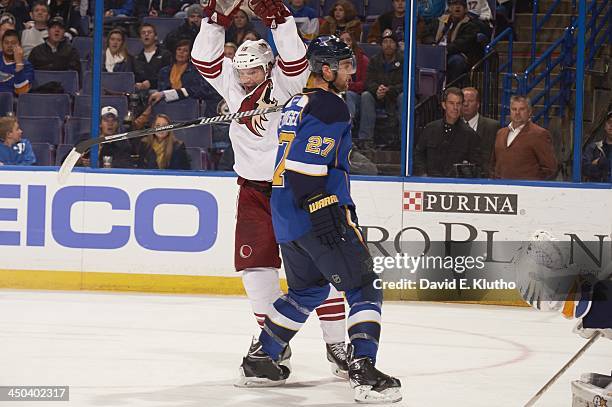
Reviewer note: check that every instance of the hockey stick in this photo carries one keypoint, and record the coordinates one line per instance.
(570, 362)
(82, 147)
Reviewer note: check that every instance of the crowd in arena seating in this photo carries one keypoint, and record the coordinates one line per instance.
(148, 79)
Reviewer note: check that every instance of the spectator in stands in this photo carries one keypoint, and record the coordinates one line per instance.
(229, 50)
(160, 8)
(480, 12)
(342, 17)
(56, 54)
(118, 8)
(37, 32)
(16, 73)
(150, 60)
(393, 20)
(458, 32)
(431, 9)
(357, 85)
(448, 147)
(306, 18)
(181, 80)
(597, 156)
(18, 9)
(241, 24)
(67, 10)
(14, 150)
(163, 150)
(483, 126)
(523, 150)
(188, 31)
(382, 96)
(250, 35)
(120, 152)
(116, 57)
(7, 22)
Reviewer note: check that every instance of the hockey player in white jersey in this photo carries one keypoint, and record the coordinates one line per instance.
(255, 79)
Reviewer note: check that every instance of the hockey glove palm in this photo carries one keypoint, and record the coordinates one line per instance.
(326, 217)
(221, 12)
(271, 12)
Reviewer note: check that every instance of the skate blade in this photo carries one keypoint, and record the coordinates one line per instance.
(365, 395)
(244, 381)
(336, 371)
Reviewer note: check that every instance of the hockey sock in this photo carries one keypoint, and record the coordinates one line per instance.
(364, 320)
(262, 288)
(287, 316)
(332, 317)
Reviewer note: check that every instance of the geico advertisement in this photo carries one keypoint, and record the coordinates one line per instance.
(117, 223)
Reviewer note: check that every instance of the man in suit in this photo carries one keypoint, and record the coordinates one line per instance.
(448, 147)
(523, 150)
(483, 126)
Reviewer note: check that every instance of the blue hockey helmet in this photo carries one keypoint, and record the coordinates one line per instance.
(328, 50)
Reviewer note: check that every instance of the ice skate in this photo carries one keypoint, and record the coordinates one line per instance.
(336, 354)
(372, 386)
(260, 370)
(285, 358)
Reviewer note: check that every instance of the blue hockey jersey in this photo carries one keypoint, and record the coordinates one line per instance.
(20, 153)
(315, 140)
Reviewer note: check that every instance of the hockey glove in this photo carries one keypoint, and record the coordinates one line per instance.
(326, 217)
(271, 12)
(221, 12)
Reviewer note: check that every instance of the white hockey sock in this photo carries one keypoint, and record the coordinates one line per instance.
(332, 317)
(262, 287)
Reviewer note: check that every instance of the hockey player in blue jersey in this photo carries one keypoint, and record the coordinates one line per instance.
(315, 223)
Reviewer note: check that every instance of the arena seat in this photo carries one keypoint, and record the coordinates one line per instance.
(6, 103)
(45, 154)
(42, 129)
(195, 154)
(61, 153)
(179, 111)
(82, 105)
(76, 129)
(118, 82)
(38, 104)
(68, 79)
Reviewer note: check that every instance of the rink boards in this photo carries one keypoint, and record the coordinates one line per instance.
(156, 232)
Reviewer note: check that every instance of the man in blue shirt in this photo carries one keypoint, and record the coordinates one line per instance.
(14, 150)
(16, 72)
(316, 225)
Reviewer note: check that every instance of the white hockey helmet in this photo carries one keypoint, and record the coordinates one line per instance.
(252, 54)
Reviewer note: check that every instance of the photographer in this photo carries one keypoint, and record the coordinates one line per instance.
(448, 147)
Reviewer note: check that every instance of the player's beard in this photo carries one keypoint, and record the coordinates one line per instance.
(342, 85)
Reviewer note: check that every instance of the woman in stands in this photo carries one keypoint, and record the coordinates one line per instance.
(240, 26)
(163, 150)
(116, 57)
(342, 17)
(181, 80)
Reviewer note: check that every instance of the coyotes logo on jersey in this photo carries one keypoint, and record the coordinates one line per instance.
(260, 98)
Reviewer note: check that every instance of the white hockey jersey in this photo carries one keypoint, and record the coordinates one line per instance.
(254, 139)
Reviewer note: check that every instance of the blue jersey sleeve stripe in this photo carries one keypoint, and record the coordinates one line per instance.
(315, 170)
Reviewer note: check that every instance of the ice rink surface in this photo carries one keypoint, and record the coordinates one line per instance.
(184, 351)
